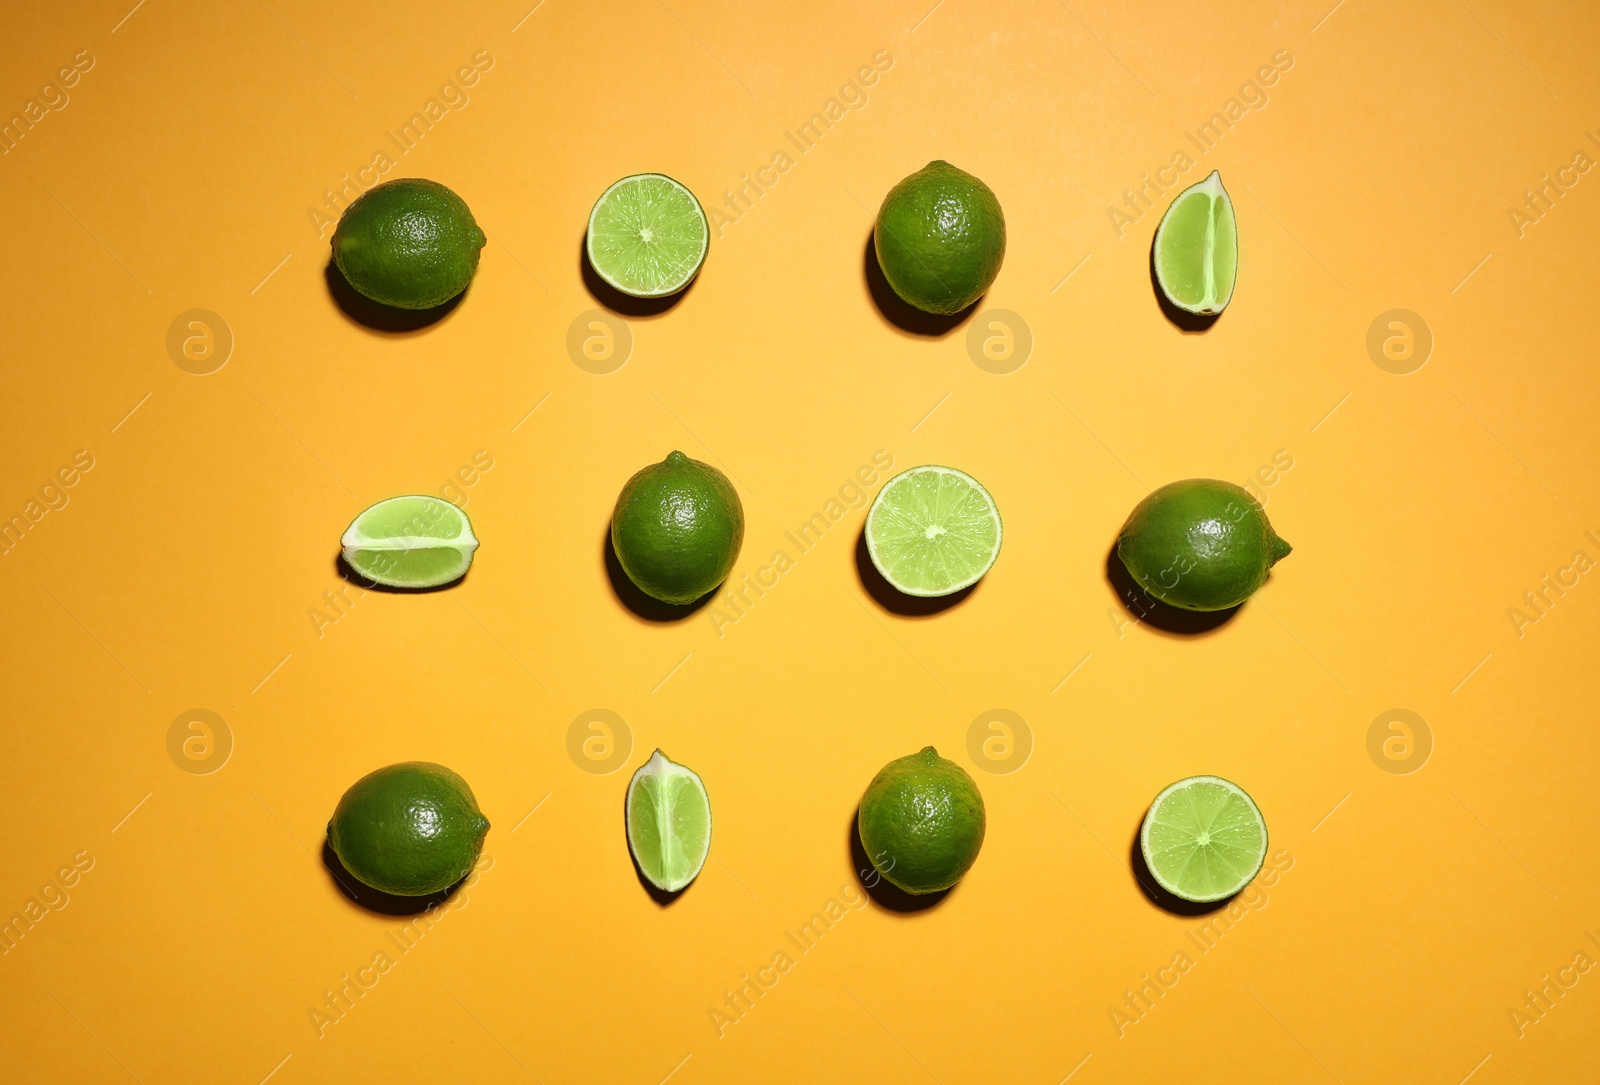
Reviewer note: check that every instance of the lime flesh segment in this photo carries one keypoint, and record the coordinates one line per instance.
(669, 823)
(647, 236)
(933, 531)
(1197, 248)
(1203, 839)
(410, 542)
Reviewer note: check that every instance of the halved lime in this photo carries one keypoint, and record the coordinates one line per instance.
(933, 531)
(1197, 248)
(647, 235)
(669, 822)
(1203, 839)
(410, 542)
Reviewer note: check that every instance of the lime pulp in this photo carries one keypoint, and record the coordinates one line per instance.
(647, 236)
(410, 542)
(1197, 248)
(1203, 839)
(933, 531)
(668, 816)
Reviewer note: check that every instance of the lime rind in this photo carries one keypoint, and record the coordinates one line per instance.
(647, 236)
(933, 531)
(1203, 839)
(668, 816)
(1196, 251)
(415, 541)
(940, 238)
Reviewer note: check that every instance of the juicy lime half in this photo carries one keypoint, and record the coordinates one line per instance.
(933, 531)
(410, 542)
(1203, 839)
(647, 235)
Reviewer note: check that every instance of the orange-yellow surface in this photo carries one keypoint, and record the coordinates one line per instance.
(1429, 916)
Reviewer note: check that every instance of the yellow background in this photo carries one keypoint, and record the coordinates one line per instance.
(184, 571)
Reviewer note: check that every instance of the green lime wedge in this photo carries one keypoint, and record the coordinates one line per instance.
(1203, 839)
(1197, 248)
(933, 531)
(669, 822)
(410, 542)
(647, 235)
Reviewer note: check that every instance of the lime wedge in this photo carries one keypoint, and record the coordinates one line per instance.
(410, 542)
(669, 823)
(647, 235)
(933, 531)
(1197, 248)
(1203, 839)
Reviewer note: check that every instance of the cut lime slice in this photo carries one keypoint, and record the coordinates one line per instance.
(1197, 248)
(669, 823)
(933, 531)
(647, 235)
(410, 542)
(1203, 839)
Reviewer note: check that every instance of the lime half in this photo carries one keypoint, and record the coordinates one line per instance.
(410, 542)
(669, 822)
(647, 235)
(1203, 839)
(933, 531)
(1197, 248)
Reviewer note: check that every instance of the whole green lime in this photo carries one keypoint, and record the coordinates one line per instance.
(940, 238)
(1200, 544)
(409, 829)
(922, 822)
(410, 243)
(677, 528)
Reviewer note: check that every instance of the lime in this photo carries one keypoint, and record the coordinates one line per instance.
(1200, 544)
(410, 542)
(1203, 839)
(677, 528)
(409, 243)
(410, 829)
(921, 822)
(933, 531)
(1197, 248)
(940, 238)
(647, 235)
(669, 822)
